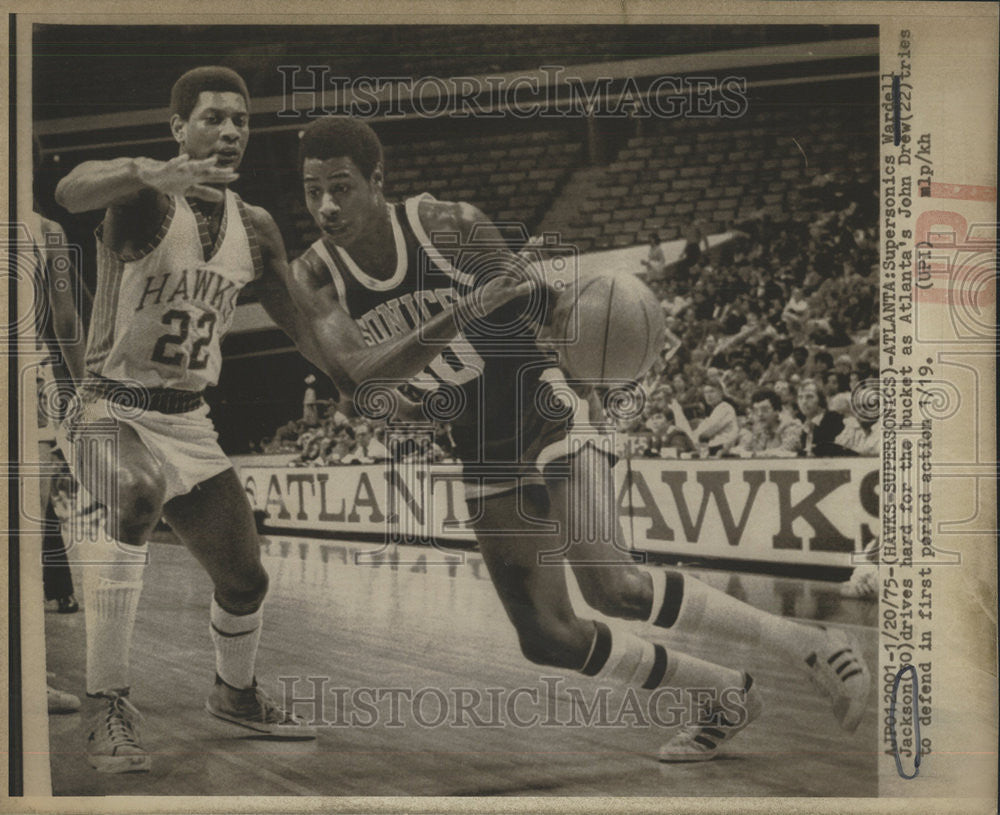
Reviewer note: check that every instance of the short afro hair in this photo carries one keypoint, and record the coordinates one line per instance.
(184, 95)
(336, 136)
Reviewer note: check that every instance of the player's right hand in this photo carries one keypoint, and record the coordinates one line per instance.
(186, 176)
(498, 291)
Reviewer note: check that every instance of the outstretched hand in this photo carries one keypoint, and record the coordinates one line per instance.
(186, 176)
(499, 290)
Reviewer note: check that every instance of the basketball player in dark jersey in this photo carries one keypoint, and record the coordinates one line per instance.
(174, 249)
(386, 288)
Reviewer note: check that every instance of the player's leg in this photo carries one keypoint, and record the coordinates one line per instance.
(125, 477)
(671, 599)
(215, 521)
(721, 701)
(57, 580)
(535, 596)
(590, 536)
(112, 566)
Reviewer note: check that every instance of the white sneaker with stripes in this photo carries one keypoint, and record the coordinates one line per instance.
(702, 740)
(839, 672)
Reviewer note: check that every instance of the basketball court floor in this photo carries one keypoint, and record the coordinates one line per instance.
(407, 621)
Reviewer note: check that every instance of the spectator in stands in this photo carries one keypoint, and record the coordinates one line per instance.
(659, 400)
(674, 306)
(821, 427)
(795, 314)
(312, 452)
(782, 362)
(834, 383)
(691, 400)
(719, 430)
(659, 431)
(654, 376)
(682, 392)
(340, 445)
(738, 387)
(695, 238)
(286, 437)
(786, 393)
(860, 437)
(310, 410)
(367, 448)
(862, 373)
(843, 365)
(655, 263)
(822, 362)
(833, 333)
(770, 434)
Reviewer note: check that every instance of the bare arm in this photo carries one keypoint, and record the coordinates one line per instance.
(716, 421)
(349, 361)
(100, 184)
(103, 184)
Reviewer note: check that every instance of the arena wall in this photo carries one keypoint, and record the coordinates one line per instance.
(803, 513)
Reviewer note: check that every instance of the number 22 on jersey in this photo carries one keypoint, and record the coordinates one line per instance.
(170, 347)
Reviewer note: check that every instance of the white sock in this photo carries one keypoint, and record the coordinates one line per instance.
(112, 584)
(693, 607)
(236, 638)
(689, 673)
(631, 660)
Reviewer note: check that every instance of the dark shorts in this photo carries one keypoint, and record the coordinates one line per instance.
(539, 447)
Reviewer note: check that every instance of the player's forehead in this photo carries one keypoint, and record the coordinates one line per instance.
(329, 169)
(228, 102)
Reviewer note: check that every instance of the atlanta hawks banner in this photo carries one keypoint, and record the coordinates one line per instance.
(791, 511)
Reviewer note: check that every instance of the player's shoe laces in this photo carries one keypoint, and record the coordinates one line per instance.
(702, 740)
(114, 745)
(254, 709)
(839, 672)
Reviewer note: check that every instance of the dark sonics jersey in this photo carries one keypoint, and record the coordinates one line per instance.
(485, 382)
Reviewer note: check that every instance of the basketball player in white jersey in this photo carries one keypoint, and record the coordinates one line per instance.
(174, 250)
(373, 283)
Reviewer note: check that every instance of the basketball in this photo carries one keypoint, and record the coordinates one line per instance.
(611, 327)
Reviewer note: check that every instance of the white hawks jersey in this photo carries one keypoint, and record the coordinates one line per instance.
(160, 313)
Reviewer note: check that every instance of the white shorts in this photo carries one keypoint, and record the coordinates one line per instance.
(185, 445)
